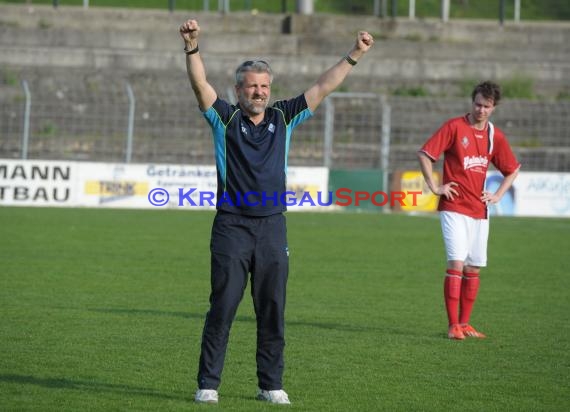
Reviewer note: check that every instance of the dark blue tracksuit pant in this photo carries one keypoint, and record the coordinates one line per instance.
(241, 245)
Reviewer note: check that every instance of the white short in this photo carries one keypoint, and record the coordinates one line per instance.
(465, 238)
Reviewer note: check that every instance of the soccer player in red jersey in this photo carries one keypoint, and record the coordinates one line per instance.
(469, 144)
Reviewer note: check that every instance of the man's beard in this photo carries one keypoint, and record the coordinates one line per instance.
(253, 107)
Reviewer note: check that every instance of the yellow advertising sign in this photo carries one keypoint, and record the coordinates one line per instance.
(106, 188)
(414, 181)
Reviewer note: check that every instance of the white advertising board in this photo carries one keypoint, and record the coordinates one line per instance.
(543, 194)
(142, 185)
(37, 183)
(71, 184)
(533, 194)
(53, 183)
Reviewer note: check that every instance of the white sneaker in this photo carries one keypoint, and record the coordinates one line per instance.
(278, 396)
(206, 396)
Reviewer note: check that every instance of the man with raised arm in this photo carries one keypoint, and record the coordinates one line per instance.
(251, 144)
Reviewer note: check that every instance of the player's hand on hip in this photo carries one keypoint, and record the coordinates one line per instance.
(488, 197)
(190, 30)
(448, 190)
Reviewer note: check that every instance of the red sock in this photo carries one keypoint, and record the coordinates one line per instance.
(451, 293)
(469, 289)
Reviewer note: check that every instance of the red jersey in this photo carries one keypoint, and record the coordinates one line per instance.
(467, 153)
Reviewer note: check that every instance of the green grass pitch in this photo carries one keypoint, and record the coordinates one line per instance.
(102, 310)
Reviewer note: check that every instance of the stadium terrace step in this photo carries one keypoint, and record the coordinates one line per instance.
(426, 53)
(101, 19)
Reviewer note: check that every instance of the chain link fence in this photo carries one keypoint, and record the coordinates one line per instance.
(156, 120)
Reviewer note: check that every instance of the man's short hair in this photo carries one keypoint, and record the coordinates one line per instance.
(489, 90)
(257, 66)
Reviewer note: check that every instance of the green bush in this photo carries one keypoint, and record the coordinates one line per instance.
(518, 87)
(414, 91)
